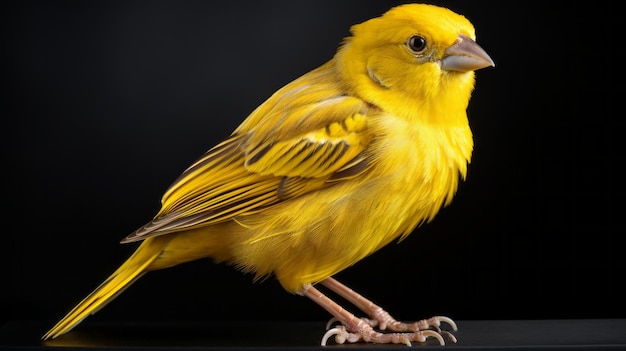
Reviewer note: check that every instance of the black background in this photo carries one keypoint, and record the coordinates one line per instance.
(105, 103)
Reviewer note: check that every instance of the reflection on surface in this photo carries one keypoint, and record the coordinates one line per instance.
(225, 334)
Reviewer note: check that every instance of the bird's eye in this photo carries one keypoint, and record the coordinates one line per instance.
(416, 43)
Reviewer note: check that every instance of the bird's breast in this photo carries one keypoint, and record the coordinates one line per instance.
(420, 165)
(414, 171)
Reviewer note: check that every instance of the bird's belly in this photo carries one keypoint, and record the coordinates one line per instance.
(313, 237)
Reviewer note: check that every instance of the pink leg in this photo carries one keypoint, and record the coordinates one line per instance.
(355, 329)
(380, 318)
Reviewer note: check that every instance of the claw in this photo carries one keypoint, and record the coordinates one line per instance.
(341, 336)
(407, 342)
(331, 321)
(449, 335)
(435, 335)
(448, 321)
(331, 332)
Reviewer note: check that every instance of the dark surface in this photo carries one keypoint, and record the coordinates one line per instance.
(598, 334)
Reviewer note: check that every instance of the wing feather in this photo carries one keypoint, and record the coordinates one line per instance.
(305, 137)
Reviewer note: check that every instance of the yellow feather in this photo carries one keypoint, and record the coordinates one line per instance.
(335, 165)
(122, 278)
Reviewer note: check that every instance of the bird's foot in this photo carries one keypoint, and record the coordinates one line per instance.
(382, 320)
(364, 332)
(417, 331)
(388, 330)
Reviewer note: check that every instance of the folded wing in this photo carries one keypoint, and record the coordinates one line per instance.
(304, 138)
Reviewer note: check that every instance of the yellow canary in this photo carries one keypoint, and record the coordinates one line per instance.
(332, 167)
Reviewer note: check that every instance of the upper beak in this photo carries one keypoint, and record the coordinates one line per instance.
(464, 56)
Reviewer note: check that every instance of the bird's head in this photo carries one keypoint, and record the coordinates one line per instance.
(413, 53)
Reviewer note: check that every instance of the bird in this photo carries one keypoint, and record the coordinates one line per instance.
(333, 166)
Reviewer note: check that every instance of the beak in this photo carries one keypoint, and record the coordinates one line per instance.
(464, 56)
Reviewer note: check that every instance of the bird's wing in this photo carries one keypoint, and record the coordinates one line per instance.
(295, 146)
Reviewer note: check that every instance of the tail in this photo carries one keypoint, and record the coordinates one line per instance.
(122, 278)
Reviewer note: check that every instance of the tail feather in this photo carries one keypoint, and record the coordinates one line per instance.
(122, 278)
